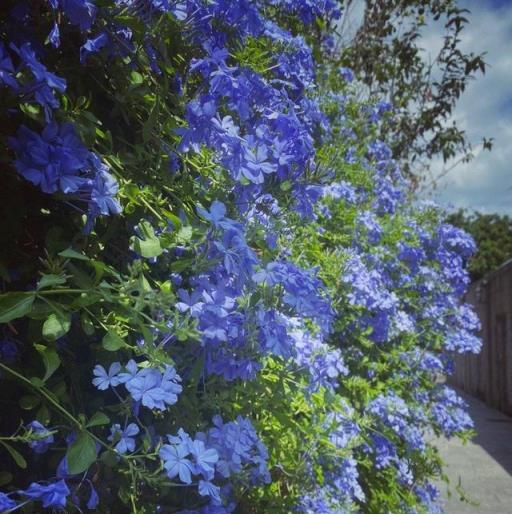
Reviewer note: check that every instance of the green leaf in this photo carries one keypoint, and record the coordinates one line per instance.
(110, 458)
(16, 455)
(112, 341)
(5, 478)
(51, 360)
(197, 372)
(87, 324)
(56, 326)
(15, 305)
(69, 253)
(285, 186)
(181, 265)
(184, 235)
(136, 77)
(81, 453)
(49, 280)
(148, 245)
(43, 415)
(36, 382)
(173, 218)
(29, 402)
(148, 126)
(98, 419)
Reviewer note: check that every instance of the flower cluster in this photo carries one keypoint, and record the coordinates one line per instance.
(56, 160)
(262, 266)
(149, 386)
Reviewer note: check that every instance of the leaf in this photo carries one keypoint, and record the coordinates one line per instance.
(197, 371)
(173, 218)
(49, 280)
(36, 382)
(43, 415)
(56, 326)
(16, 455)
(81, 453)
(110, 458)
(80, 278)
(112, 341)
(87, 324)
(147, 334)
(184, 235)
(148, 126)
(98, 419)
(181, 265)
(29, 402)
(69, 253)
(15, 305)
(5, 478)
(148, 245)
(51, 360)
(285, 186)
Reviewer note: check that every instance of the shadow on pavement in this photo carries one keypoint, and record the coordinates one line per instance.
(494, 431)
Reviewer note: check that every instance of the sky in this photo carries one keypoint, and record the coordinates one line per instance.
(485, 109)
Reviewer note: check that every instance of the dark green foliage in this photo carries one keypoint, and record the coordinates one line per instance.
(387, 55)
(493, 236)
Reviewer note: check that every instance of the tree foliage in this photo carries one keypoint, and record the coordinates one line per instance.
(493, 236)
(387, 55)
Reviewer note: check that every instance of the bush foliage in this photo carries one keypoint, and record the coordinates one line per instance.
(217, 294)
(493, 235)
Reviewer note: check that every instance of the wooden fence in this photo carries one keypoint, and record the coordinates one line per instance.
(488, 376)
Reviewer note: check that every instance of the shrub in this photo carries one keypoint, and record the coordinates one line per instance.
(218, 296)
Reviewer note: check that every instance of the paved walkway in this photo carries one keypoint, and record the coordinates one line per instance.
(483, 466)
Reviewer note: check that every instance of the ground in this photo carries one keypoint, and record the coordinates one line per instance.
(483, 466)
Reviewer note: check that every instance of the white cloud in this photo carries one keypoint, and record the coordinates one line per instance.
(485, 109)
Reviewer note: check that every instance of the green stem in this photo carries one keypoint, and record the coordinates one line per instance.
(60, 291)
(42, 391)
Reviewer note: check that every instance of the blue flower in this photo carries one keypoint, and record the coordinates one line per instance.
(53, 160)
(170, 384)
(46, 82)
(369, 226)
(6, 503)
(44, 437)
(204, 458)
(238, 447)
(93, 501)
(54, 36)
(93, 45)
(52, 495)
(216, 213)
(206, 488)
(131, 371)
(449, 412)
(8, 351)
(347, 74)
(7, 71)
(428, 494)
(125, 438)
(105, 380)
(154, 389)
(79, 12)
(104, 190)
(145, 387)
(256, 165)
(176, 462)
(189, 302)
(39, 70)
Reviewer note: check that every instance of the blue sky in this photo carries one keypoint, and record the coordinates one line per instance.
(485, 109)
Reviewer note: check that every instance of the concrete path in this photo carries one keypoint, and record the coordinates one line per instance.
(483, 467)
